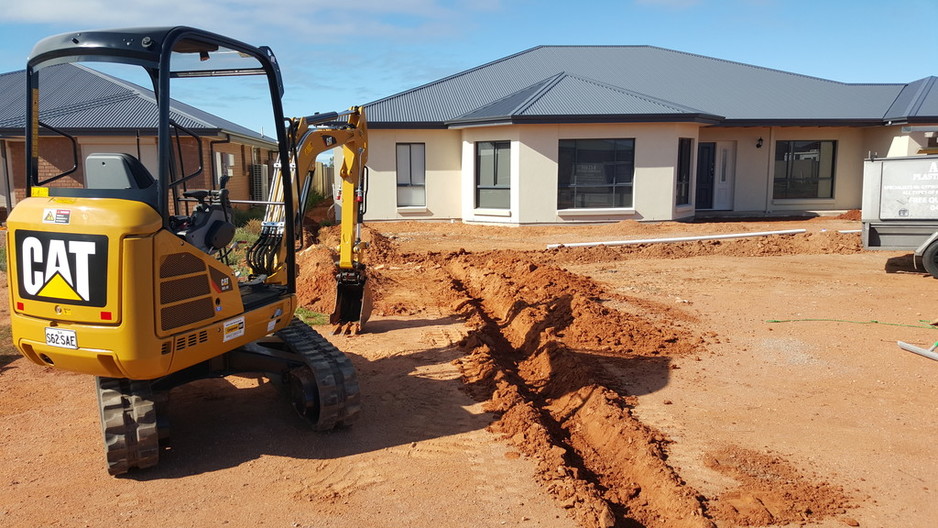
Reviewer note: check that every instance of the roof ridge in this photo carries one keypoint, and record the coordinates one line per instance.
(916, 104)
(717, 59)
(542, 84)
(548, 84)
(640, 95)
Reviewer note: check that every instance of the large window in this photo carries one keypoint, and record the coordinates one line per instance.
(493, 174)
(411, 175)
(804, 169)
(685, 148)
(595, 173)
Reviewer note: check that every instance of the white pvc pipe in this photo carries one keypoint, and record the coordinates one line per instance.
(929, 353)
(677, 239)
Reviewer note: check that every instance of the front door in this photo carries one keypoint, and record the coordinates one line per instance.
(706, 168)
(724, 175)
(716, 174)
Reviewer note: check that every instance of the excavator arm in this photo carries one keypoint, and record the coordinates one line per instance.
(310, 136)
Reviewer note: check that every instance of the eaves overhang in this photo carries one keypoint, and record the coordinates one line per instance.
(407, 125)
(708, 119)
(803, 122)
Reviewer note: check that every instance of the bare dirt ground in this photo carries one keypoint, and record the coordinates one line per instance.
(744, 382)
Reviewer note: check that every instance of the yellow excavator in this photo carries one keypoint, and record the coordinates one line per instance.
(125, 274)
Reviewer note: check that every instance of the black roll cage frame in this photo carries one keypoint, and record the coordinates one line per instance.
(152, 49)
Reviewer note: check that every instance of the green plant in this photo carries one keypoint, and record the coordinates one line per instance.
(3, 258)
(313, 199)
(310, 317)
(243, 216)
(244, 238)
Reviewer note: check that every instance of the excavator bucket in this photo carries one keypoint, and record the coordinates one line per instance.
(352, 302)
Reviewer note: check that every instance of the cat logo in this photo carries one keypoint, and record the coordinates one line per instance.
(60, 267)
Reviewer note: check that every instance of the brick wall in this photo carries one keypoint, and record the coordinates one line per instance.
(56, 157)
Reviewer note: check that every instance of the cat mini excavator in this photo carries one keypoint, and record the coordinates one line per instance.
(123, 274)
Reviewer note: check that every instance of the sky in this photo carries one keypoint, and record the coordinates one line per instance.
(337, 54)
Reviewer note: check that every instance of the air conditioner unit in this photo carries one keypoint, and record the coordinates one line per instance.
(259, 182)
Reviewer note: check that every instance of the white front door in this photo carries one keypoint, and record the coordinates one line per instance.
(724, 175)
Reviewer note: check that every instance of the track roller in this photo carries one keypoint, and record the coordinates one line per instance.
(324, 391)
(128, 424)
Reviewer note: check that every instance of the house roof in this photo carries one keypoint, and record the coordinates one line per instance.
(78, 98)
(646, 83)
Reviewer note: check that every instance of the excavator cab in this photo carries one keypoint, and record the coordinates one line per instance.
(120, 263)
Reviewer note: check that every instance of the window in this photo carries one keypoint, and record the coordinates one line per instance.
(411, 175)
(931, 144)
(685, 148)
(595, 173)
(493, 174)
(804, 169)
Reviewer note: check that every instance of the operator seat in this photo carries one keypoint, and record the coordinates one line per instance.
(116, 170)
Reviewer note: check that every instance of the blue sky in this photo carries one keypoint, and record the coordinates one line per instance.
(337, 54)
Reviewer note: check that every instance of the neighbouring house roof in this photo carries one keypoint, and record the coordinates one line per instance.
(79, 99)
(557, 84)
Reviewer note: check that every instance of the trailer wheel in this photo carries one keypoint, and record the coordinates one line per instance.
(930, 259)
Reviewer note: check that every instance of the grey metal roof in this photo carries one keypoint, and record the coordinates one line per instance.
(572, 98)
(75, 97)
(917, 102)
(561, 83)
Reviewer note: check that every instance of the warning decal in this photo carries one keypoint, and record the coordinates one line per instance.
(62, 267)
(56, 216)
(233, 328)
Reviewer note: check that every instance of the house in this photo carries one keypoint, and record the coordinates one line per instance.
(107, 114)
(597, 133)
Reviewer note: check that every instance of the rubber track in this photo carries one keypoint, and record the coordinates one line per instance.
(128, 424)
(336, 380)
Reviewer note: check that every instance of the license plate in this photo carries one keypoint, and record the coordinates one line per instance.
(58, 337)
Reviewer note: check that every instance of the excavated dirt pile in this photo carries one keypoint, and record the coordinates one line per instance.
(541, 336)
(771, 491)
(811, 243)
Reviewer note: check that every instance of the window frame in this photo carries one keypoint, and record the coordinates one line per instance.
(627, 183)
(501, 182)
(410, 180)
(787, 149)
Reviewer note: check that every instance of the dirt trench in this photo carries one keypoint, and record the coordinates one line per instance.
(536, 353)
(545, 349)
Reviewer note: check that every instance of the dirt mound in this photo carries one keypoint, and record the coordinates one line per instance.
(536, 303)
(811, 243)
(853, 214)
(316, 284)
(315, 280)
(771, 491)
(541, 337)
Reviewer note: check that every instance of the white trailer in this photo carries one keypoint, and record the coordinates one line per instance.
(900, 207)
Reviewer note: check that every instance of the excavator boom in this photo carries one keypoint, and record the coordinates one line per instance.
(309, 137)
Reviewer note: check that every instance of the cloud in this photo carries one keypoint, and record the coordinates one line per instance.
(303, 19)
